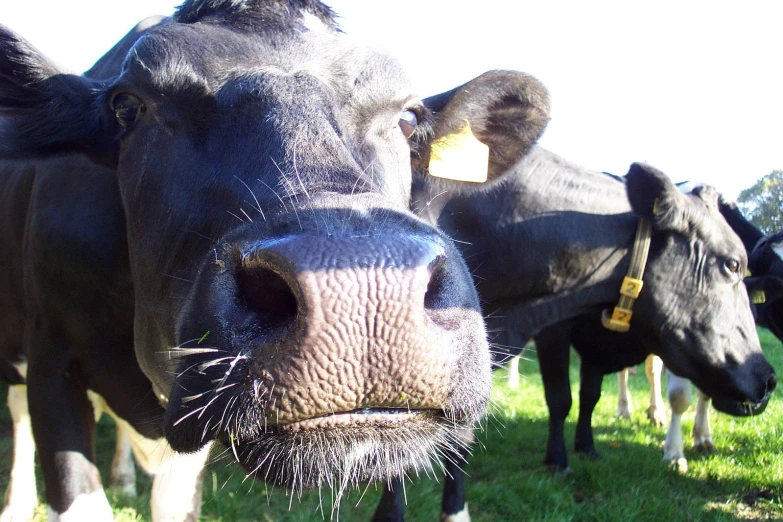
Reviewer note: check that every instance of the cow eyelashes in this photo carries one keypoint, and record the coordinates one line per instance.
(127, 109)
(409, 120)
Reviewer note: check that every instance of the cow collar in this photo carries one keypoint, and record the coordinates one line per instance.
(620, 320)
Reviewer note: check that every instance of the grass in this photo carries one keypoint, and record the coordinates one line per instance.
(507, 482)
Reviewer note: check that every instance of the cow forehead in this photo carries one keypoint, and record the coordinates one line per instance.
(173, 55)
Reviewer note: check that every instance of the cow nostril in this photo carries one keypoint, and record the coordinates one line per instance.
(268, 295)
(434, 296)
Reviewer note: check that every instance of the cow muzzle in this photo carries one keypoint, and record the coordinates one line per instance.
(364, 342)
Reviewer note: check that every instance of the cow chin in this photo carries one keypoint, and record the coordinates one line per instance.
(345, 449)
(336, 449)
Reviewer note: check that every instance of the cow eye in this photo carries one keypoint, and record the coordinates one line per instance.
(409, 120)
(127, 109)
(732, 265)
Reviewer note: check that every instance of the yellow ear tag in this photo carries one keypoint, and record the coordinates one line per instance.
(459, 156)
(758, 297)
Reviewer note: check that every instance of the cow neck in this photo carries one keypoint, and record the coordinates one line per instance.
(620, 318)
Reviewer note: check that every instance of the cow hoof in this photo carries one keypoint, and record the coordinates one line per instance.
(556, 469)
(706, 448)
(590, 454)
(656, 416)
(462, 516)
(680, 465)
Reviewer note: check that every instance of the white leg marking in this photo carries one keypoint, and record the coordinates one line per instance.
(21, 496)
(513, 373)
(176, 487)
(123, 470)
(702, 431)
(462, 516)
(624, 402)
(679, 392)
(653, 368)
(92, 506)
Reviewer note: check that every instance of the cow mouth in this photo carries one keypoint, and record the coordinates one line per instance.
(345, 448)
(379, 417)
(741, 408)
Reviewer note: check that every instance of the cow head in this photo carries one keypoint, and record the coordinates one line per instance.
(694, 302)
(288, 303)
(766, 266)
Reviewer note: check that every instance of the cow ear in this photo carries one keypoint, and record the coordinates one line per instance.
(45, 111)
(482, 128)
(653, 196)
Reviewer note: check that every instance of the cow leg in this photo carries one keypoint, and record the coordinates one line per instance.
(513, 372)
(591, 378)
(391, 508)
(653, 368)
(679, 392)
(702, 431)
(178, 477)
(454, 507)
(553, 348)
(624, 401)
(64, 425)
(21, 496)
(123, 470)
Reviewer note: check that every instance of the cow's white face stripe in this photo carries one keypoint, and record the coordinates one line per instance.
(91, 506)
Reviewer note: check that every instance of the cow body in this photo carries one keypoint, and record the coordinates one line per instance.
(278, 289)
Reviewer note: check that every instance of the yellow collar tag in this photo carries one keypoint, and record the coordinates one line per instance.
(459, 156)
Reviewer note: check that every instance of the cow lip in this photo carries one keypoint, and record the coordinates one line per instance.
(380, 417)
(741, 408)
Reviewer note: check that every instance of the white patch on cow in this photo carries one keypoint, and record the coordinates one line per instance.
(702, 431)
(513, 372)
(91, 506)
(123, 469)
(315, 24)
(624, 401)
(679, 392)
(778, 249)
(21, 496)
(176, 488)
(653, 368)
(99, 406)
(462, 516)
(21, 367)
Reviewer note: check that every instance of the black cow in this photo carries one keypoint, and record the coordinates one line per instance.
(550, 241)
(279, 292)
(602, 352)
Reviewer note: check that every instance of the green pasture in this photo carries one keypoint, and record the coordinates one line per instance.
(507, 482)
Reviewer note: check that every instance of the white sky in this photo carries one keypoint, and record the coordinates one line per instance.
(692, 87)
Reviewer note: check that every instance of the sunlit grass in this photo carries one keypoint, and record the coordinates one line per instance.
(507, 482)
